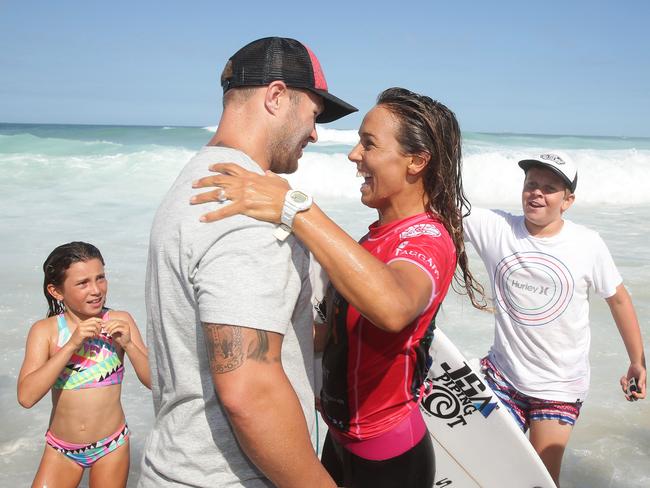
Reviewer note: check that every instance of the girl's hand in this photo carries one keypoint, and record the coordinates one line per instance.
(118, 330)
(85, 330)
(258, 196)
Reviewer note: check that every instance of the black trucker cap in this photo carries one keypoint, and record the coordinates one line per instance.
(279, 58)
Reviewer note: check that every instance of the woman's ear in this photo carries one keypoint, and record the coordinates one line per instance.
(418, 163)
(51, 289)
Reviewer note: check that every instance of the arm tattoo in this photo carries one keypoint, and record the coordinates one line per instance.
(225, 347)
(258, 350)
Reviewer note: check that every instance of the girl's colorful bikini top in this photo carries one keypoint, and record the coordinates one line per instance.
(95, 364)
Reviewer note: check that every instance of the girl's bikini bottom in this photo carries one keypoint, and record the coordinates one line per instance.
(86, 454)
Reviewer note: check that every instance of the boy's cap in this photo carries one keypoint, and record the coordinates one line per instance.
(558, 162)
(279, 58)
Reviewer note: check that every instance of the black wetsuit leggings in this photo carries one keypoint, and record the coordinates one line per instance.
(415, 468)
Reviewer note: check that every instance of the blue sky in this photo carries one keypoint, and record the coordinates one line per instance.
(543, 67)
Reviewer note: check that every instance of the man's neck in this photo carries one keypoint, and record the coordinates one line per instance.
(235, 132)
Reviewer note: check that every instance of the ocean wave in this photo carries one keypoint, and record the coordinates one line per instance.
(326, 136)
(336, 136)
(15, 446)
(30, 144)
(61, 140)
(326, 176)
(491, 175)
(135, 178)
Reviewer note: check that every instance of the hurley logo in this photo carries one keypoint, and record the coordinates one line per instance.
(552, 157)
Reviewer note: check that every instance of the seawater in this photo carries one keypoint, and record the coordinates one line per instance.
(102, 184)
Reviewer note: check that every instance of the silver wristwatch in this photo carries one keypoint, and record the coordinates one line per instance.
(294, 201)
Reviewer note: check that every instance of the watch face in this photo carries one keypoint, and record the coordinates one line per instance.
(298, 196)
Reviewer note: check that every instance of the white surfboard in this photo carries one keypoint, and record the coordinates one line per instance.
(476, 440)
(477, 443)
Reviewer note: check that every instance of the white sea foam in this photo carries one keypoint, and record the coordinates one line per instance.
(492, 177)
(619, 177)
(64, 183)
(326, 136)
(490, 174)
(326, 175)
(14, 446)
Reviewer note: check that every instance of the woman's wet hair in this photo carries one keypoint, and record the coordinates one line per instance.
(58, 262)
(429, 128)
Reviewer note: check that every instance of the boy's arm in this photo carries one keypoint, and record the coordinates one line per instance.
(624, 315)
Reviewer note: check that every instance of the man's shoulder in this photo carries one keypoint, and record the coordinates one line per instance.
(175, 203)
(176, 220)
(208, 155)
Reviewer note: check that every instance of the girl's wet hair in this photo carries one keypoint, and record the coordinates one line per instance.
(430, 128)
(58, 262)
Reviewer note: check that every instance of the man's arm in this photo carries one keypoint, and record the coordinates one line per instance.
(262, 406)
(624, 315)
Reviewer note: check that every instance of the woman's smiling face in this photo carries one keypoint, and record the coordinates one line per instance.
(380, 159)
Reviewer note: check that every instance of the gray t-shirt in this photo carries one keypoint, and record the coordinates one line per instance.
(233, 271)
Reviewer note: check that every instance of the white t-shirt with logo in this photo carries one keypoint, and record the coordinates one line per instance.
(541, 289)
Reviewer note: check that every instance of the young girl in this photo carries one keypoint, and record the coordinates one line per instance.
(77, 352)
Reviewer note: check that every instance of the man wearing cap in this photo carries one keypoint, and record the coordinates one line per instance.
(543, 269)
(229, 323)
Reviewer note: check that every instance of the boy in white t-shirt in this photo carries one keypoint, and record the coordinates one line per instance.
(542, 269)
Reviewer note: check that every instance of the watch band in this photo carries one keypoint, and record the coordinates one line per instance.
(294, 201)
(281, 232)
